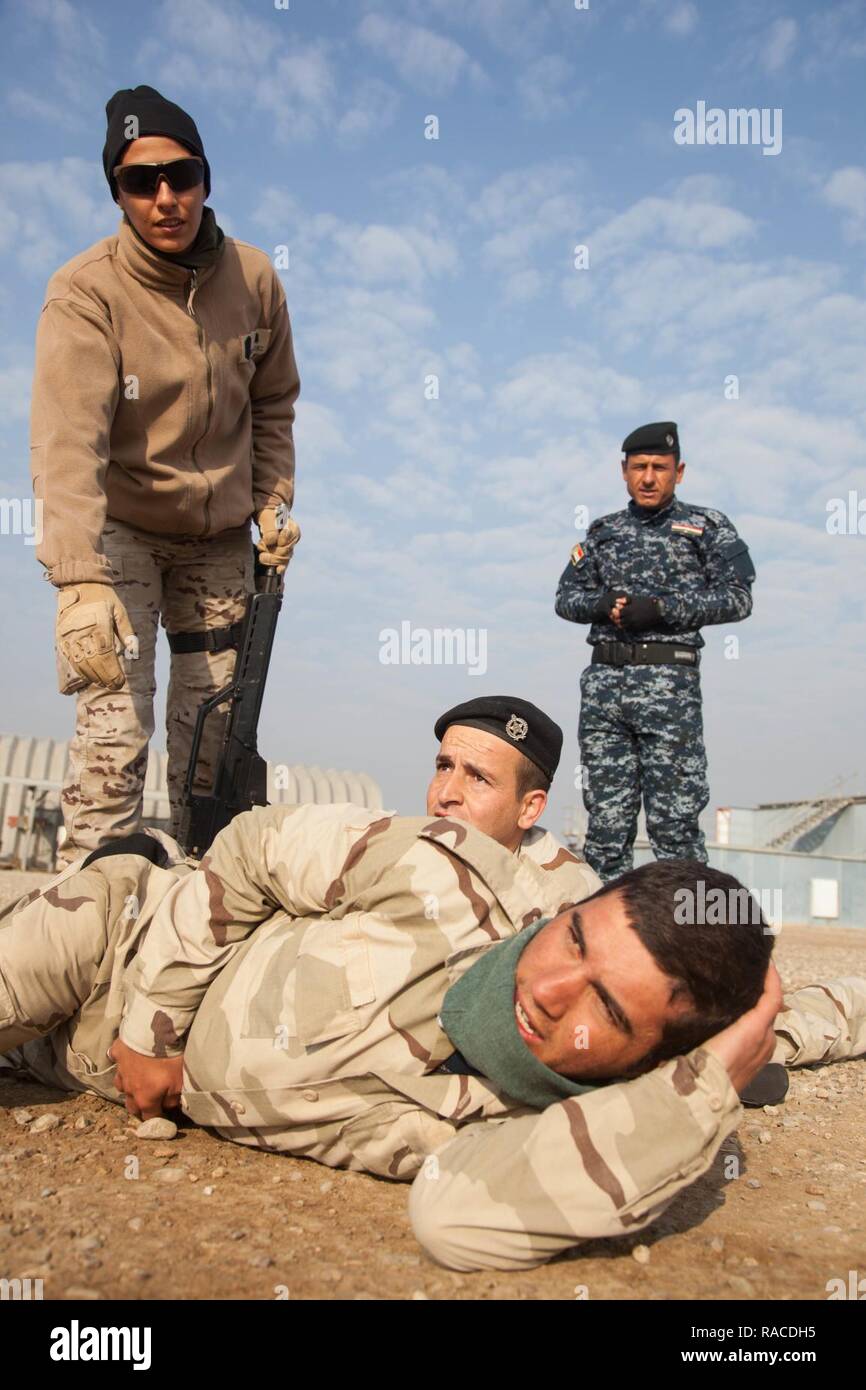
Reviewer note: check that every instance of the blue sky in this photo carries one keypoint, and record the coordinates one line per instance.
(454, 257)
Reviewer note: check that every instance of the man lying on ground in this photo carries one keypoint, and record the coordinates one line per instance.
(410, 998)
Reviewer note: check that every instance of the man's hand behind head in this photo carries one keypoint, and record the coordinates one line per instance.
(671, 956)
(747, 1045)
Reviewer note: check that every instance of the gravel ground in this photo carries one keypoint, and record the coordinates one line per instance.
(96, 1213)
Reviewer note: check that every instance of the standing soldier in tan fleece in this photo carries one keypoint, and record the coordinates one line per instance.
(163, 405)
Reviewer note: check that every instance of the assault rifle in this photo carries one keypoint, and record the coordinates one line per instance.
(241, 777)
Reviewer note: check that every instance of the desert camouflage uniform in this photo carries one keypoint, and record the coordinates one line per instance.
(543, 848)
(304, 964)
(196, 586)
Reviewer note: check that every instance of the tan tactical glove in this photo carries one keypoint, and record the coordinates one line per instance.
(93, 627)
(280, 535)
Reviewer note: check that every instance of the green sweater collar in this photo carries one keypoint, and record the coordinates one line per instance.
(478, 1015)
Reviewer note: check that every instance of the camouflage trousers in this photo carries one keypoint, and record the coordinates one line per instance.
(641, 736)
(192, 586)
(65, 951)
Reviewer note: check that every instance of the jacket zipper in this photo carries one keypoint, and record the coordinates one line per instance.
(201, 342)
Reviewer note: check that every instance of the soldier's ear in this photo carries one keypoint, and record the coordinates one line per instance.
(533, 808)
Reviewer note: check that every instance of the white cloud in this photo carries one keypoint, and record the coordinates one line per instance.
(465, 357)
(51, 209)
(374, 106)
(422, 58)
(73, 61)
(681, 220)
(225, 35)
(769, 459)
(547, 87)
(241, 63)
(564, 386)
(515, 27)
(518, 191)
(672, 275)
(672, 283)
(555, 217)
(524, 209)
(359, 337)
(300, 93)
(523, 285)
(716, 314)
(277, 209)
(555, 474)
(836, 34)
(318, 434)
(681, 18)
(15, 385)
(379, 254)
(410, 493)
(780, 44)
(27, 105)
(325, 247)
(427, 189)
(846, 189)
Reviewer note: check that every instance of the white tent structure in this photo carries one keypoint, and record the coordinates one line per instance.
(32, 773)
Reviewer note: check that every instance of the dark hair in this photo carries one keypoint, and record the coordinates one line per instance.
(530, 777)
(708, 934)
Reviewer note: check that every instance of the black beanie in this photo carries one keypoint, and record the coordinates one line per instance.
(154, 116)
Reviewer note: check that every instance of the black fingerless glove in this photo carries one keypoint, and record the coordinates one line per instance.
(605, 604)
(641, 613)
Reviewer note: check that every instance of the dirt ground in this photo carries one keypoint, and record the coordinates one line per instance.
(204, 1218)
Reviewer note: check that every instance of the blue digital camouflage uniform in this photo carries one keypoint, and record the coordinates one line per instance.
(641, 730)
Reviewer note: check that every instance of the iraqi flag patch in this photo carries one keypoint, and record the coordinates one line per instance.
(687, 528)
(577, 553)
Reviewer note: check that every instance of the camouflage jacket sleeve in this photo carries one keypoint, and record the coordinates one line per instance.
(728, 577)
(580, 588)
(510, 1195)
(822, 1023)
(270, 859)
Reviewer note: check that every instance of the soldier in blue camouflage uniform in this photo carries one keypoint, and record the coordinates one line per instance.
(648, 578)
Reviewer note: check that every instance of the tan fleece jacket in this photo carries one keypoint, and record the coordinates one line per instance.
(162, 397)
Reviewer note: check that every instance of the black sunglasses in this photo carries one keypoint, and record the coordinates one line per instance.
(142, 180)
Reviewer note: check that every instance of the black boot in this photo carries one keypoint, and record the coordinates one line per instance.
(769, 1087)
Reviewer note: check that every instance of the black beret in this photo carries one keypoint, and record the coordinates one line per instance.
(154, 115)
(658, 438)
(525, 726)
